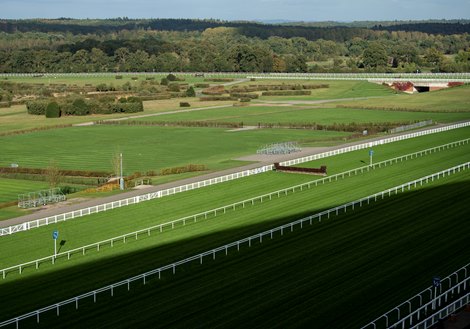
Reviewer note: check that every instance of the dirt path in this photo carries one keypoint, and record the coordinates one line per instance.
(263, 160)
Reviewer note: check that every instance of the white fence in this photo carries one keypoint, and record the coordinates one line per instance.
(430, 305)
(464, 77)
(246, 241)
(149, 196)
(224, 209)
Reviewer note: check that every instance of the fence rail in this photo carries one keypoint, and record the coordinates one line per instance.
(465, 76)
(233, 206)
(149, 196)
(430, 305)
(249, 240)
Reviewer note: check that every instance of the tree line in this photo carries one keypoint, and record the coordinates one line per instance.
(243, 47)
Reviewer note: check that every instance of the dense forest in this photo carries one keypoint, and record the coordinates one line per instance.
(111, 45)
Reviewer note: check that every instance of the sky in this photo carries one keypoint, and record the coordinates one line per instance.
(296, 10)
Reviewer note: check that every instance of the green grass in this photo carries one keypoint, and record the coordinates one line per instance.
(452, 99)
(96, 80)
(10, 188)
(303, 278)
(147, 253)
(116, 222)
(336, 90)
(252, 115)
(144, 148)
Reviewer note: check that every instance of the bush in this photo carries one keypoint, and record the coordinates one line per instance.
(80, 107)
(190, 92)
(164, 82)
(184, 104)
(126, 107)
(171, 77)
(135, 78)
(36, 107)
(202, 85)
(244, 95)
(118, 77)
(53, 110)
(174, 87)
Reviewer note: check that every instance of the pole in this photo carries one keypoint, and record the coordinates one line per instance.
(370, 159)
(55, 248)
(121, 180)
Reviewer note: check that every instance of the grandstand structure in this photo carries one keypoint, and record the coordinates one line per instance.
(40, 198)
(280, 148)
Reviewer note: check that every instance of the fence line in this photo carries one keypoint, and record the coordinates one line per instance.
(149, 196)
(439, 77)
(232, 206)
(435, 302)
(254, 238)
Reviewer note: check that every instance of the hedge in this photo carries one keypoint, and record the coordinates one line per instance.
(184, 104)
(287, 93)
(36, 107)
(244, 95)
(217, 98)
(52, 110)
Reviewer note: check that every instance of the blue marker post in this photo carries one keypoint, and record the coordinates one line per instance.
(436, 282)
(371, 153)
(55, 236)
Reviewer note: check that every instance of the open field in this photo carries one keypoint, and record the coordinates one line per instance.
(336, 265)
(247, 221)
(145, 148)
(452, 99)
(16, 117)
(333, 269)
(10, 188)
(253, 115)
(112, 223)
(92, 79)
(336, 90)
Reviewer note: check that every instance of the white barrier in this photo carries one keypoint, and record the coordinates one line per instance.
(224, 249)
(149, 196)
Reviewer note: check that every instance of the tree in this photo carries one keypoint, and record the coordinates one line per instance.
(190, 92)
(53, 174)
(375, 56)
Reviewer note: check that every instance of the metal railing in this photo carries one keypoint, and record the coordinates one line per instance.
(149, 196)
(233, 206)
(464, 76)
(430, 305)
(249, 240)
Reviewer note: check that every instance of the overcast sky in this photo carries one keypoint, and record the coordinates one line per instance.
(305, 10)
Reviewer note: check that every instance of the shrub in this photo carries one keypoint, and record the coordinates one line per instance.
(53, 110)
(190, 92)
(150, 78)
(174, 87)
(80, 107)
(245, 99)
(134, 78)
(202, 85)
(184, 104)
(244, 95)
(118, 77)
(164, 82)
(171, 77)
(214, 90)
(129, 107)
(36, 107)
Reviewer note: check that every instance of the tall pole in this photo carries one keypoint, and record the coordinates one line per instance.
(121, 179)
(55, 248)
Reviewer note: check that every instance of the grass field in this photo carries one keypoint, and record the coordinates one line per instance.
(10, 188)
(252, 115)
(147, 253)
(334, 274)
(345, 264)
(145, 148)
(452, 99)
(337, 89)
(81, 80)
(108, 224)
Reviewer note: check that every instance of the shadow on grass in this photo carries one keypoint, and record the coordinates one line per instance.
(294, 288)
